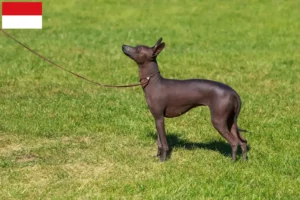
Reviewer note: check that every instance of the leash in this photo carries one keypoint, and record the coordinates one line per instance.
(143, 81)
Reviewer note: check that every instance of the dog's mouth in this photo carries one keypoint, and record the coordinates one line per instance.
(127, 54)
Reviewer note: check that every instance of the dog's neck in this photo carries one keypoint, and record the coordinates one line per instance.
(148, 69)
(149, 74)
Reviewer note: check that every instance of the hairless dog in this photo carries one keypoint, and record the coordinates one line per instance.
(172, 98)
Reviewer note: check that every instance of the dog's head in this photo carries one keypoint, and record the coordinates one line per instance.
(142, 54)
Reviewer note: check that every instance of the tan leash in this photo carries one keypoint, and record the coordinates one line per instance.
(143, 81)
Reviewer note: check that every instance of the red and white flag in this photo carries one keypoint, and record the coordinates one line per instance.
(22, 15)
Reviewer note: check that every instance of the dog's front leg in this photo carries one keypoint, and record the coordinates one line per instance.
(163, 148)
(159, 147)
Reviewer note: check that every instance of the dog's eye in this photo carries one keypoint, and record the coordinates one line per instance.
(137, 48)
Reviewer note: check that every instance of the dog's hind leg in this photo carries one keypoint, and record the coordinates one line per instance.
(220, 124)
(242, 141)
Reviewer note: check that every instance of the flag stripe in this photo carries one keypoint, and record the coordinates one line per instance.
(22, 22)
(21, 8)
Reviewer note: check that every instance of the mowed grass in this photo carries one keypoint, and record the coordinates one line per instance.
(64, 138)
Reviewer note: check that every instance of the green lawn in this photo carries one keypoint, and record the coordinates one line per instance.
(64, 138)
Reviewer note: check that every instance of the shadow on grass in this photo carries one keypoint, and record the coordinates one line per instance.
(175, 141)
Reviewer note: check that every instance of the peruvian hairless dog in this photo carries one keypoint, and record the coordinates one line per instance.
(172, 98)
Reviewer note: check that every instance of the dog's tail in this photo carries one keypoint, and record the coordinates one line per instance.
(238, 109)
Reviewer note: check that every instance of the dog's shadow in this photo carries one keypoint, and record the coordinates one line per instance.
(175, 141)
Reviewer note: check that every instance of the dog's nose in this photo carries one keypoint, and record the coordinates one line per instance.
(125, 49)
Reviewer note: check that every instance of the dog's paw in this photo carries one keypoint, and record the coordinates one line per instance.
(163, 156)
(158, 154)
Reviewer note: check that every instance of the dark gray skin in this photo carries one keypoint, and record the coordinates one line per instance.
(172, 98)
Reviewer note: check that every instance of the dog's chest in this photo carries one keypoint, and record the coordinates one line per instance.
(169, 105)
(150, 99)
(155, 99)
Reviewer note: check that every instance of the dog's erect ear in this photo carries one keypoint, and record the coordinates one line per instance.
(158, 49)
(157, 43)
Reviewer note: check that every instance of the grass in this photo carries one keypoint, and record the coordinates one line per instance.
(64, 138)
